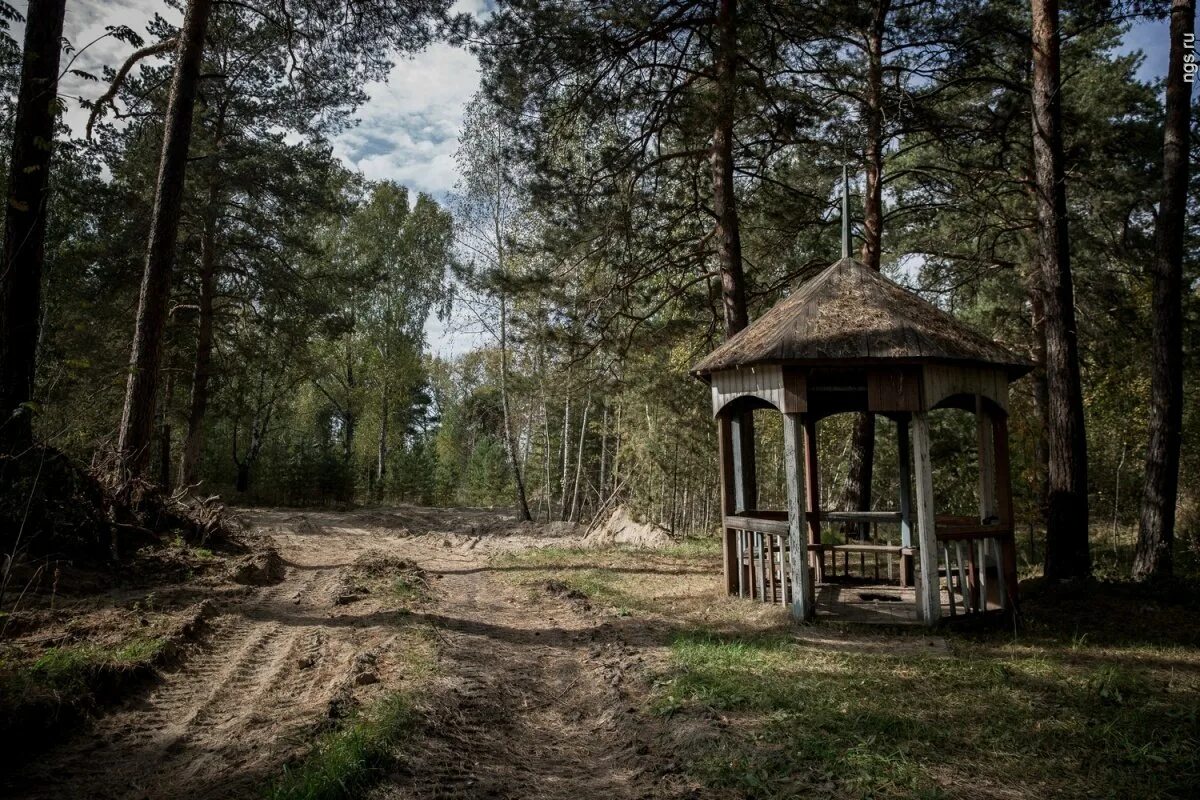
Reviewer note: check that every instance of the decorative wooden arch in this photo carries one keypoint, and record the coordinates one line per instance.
(851, 340)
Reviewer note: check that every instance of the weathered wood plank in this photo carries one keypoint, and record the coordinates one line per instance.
(725, 461)
(861, 516)
(896, 389)
(794, 393)
(927, 586)
(987, 459)
(1004, 507)
(803, 605)
(747, 523)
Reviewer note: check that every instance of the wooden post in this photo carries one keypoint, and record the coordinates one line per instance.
(812, 495)
(730, 538)
(745, 472)
(987, 460)
(803, 606)
(927, 586)
(1004, 505)
(904, 452)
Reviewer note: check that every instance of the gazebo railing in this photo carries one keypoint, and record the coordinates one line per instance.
(762, 556)
(978, 565)
(976, 562)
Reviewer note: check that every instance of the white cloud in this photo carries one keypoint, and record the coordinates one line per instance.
(408, 129)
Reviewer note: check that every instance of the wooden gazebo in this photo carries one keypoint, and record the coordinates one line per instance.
(852, 340)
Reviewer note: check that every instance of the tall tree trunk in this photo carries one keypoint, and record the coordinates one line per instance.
(349, 415)
(728, 236)
(382, 449)
(25, 221)
(164, 431)
(873, 150)
(1041, 400)
(1067, 554)
(566, 438)
(137, 417)
(600, 496)
(579, 461)
(1156, 529)
(548, 484)
(193, 443)
(509, 440)
(861, 472)
(857, 495)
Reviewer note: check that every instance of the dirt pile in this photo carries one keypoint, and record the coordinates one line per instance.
(622, 528)
(377, 572)
(261, 568)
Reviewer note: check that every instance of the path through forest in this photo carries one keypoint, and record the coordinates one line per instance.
(531, 696)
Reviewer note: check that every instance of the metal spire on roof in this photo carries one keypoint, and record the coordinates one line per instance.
(845, 213)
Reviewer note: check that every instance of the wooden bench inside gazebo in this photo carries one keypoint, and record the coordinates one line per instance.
(851, 340)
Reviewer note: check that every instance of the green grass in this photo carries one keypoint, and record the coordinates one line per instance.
(1097, 696)
(345, 761)
(69, 672)
(407, 589)
(976, 723)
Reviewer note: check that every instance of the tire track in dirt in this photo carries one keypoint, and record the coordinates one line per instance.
(535, 700)
(240, 702)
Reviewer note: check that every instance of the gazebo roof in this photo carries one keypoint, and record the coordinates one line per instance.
(851, 313)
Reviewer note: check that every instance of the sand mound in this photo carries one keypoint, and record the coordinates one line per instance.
(622, 528)
(263, 568)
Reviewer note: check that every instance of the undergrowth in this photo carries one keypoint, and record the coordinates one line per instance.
(346, 760)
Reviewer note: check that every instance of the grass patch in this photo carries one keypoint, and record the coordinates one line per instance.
(1097, 696)
(976, 723)
(43, 695)
(346, 760)
(71, 672)
(409, 589)
(624, 580)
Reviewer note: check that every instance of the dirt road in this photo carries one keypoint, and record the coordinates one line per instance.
(530, 696)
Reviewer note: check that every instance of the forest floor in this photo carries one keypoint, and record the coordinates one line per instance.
(455, 653)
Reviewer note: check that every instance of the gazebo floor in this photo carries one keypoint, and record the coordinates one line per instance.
(880, 604)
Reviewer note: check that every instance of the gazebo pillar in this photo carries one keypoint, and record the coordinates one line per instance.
(987, 460)
(928, 585)
(812, 495)
(1004, 505)
(744, 468)
(730, 538)
(803, 602)
(904, 453)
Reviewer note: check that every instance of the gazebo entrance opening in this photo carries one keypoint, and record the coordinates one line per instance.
(852, 341)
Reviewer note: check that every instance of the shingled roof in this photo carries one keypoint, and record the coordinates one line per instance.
(851, 313)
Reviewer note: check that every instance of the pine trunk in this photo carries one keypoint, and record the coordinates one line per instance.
(1156, 529)
(857, 496)
(137, 418)
(193, 443)
(728, 236)
(1067, 554)
(579, 462)
(25, 221)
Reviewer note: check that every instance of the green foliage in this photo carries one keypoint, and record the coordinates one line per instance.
(857, 724)
(350, 758)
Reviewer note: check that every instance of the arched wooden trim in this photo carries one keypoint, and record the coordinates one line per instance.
(971, 403)
(780, 388)
(945, 381)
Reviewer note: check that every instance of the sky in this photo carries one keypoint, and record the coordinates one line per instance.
(408, 130)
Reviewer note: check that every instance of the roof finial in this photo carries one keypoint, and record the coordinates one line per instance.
(845, 213)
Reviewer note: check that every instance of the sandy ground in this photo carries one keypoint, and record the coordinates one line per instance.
(531, 696)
